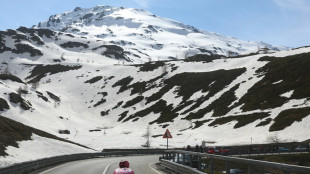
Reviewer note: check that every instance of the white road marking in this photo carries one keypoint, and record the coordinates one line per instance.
(150, 165)
(106, 168)
(54, 168)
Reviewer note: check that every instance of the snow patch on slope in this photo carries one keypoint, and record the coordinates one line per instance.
(37, 148)
(287, 94)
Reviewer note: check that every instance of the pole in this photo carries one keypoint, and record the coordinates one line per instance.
(167, 143)
(251, 147)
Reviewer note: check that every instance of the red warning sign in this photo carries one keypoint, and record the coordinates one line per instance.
(167, 134)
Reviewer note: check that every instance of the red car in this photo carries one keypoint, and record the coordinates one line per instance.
(225, 150)
(218, 150)
(213, 150)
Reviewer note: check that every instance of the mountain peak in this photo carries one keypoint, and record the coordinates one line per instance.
(155, 37)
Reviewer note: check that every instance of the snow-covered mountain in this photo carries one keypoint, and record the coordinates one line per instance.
(110, 35)
(80, 86)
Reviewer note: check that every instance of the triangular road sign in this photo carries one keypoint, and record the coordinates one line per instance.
(167, 134)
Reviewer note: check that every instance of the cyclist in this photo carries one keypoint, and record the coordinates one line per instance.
(123, 168)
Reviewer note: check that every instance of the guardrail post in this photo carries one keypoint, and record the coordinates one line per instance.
(199, 163)
(173, 157)
(183, 158)
(211, 166)
(227, 166)
(191, 160)
(250, 169)
(178, 157)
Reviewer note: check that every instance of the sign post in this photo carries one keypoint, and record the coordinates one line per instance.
(167, 135)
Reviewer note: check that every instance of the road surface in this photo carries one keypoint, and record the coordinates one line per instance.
(140, 165)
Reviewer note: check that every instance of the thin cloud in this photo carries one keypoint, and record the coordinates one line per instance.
(302, 5)
(143, 3)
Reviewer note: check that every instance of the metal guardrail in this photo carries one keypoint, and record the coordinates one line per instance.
(29, 166)
(175, 154)
(179, 168)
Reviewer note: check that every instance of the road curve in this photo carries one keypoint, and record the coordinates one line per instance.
(140, 165)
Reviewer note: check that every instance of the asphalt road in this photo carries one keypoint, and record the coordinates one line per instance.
(140, 165)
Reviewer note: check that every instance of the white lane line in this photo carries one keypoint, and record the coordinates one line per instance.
(106, 168)
(150, 165)
(54, 168)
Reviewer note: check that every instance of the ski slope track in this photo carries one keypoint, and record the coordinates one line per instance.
(101, 76)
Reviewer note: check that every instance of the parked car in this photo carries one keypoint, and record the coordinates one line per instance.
(300, 148)
(218, 150)
(211, 150)
(225, 150)
(282, 149)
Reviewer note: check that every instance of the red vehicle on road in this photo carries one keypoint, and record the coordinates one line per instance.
(225, 150)
(212, 150)
(218, 150)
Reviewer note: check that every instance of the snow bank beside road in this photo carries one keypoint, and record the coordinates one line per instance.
(37, 148)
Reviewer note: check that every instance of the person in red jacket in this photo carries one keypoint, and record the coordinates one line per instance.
(123, 168)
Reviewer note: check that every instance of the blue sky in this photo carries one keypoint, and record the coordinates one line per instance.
(279, 22)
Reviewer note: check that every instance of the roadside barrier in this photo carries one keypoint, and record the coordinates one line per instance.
(174, 162)
(179, 168)
(29, 166)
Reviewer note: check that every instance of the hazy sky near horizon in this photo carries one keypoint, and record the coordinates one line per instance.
(278, 22)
